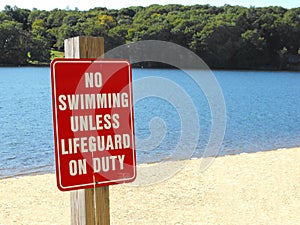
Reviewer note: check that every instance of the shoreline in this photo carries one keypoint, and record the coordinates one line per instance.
(147, 163)
(261, 69)
(248, 188)
(25, 174)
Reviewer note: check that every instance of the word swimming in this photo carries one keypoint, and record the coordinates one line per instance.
(93, 101)
(94, 143)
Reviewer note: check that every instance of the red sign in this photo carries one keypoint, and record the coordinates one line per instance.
(93, 122)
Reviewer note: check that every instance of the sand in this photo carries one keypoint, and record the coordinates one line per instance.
(257, 188)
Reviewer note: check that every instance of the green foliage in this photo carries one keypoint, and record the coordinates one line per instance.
(56, 54)
(224, 37)
(13, 46)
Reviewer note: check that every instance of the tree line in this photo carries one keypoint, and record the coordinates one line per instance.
(224, 37)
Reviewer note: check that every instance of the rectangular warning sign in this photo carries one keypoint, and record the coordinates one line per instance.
(93, 122)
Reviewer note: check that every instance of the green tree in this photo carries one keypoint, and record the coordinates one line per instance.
(225, 37)
(13, 44)
(39, 49)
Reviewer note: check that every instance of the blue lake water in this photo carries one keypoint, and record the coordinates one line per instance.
(262, 113)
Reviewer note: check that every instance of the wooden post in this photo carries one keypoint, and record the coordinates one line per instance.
(84, 47)
(89, 206)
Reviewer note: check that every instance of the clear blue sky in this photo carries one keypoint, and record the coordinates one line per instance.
(117, 4)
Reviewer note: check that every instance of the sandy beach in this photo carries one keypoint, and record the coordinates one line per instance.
(257, 188)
